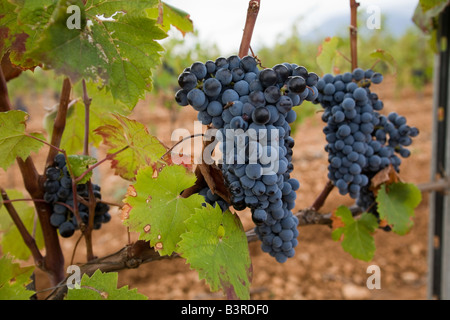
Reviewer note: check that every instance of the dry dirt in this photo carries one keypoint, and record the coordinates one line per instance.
(320, 268)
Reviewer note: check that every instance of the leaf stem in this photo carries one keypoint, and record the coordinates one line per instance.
(344, 56)
(44, 142)
(108, 157)
(318, 203)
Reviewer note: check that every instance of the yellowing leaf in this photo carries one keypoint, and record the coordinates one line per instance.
(156, 210)
(143, 148)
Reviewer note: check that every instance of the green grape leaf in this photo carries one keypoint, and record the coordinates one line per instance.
(143, 148)
(108, 8)
(216, 246)
(13, 280)
(116, 45)
(327, 54)
(396, 204)
(168, 15)
(13, 141)
(356, 233)
(156, 209)
(11, 240)
(79, 164)
(385, 56)
(103, 286)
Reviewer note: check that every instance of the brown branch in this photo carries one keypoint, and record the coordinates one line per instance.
(129, 257)
(27, 238)
(60, 121)
(252, 14)
(87, 103)
(318, 203)
(54, 259)
(441, 185)
(88, 232)
(354, 33)
(75, 248)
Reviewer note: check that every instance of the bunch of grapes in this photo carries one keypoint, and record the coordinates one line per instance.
(213, 199)
(360, 140)
(58, 192)
(252, 109)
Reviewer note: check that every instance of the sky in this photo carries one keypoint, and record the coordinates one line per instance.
(222, 21)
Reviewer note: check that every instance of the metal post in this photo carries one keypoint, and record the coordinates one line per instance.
(439, 226)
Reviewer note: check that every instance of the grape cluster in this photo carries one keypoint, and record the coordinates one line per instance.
(58, 192)
(360, 140)
(213, 199)
(252, 109)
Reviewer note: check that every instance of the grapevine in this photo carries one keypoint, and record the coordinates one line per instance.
(180, 209)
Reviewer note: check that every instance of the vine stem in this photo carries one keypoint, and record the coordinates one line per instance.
(87, 103)
(53, 262)
(108, 157)
(344, 56)
(26, 236)
(320, 200)
(181, 141)
(252, 14)
(92, 201)
(60, 121)
(354, 33)
(375, 63)
(111, 203)
(44, 142)
(88, 232)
